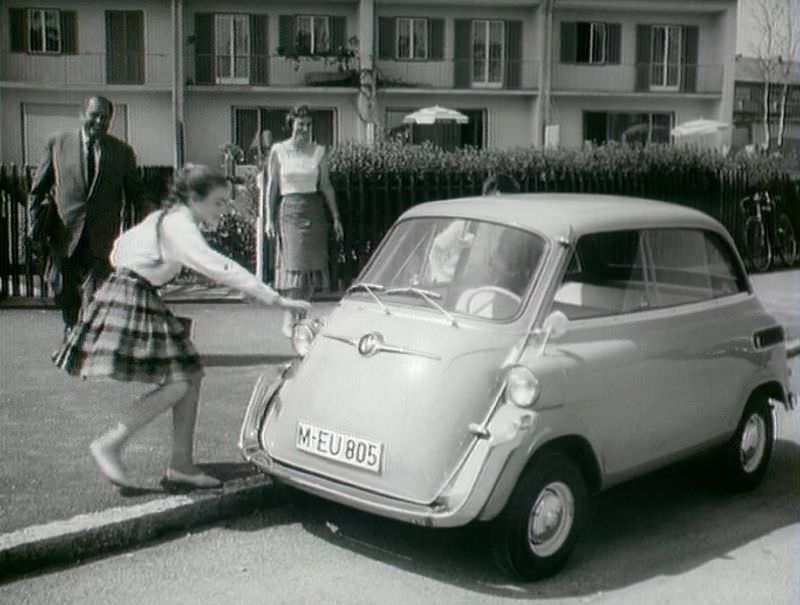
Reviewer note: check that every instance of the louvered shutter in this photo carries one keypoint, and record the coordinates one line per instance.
(690, 43)
(462, 53)
(18, 20)
(69, 32)
(569, 41)
(435, 39)
(643, 35)
(338, 34)
(204, 48)
(613, 43)
(513, 44)
(386, 37)
(259, 49)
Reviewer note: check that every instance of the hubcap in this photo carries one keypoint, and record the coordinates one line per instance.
(551, 519)
(753, 443)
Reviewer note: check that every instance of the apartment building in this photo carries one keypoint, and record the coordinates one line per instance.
(188, 76)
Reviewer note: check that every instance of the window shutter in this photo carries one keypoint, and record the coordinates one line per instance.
(613, 43)
(18, 20)
(435, 39)
(134, 37)
(513, 45)
(569, 41)
(259, 49)
(338, 34)
(69, 32)
(690, 43)
(204, 48)
(386, 37)
(286, 34)
(462, 53)
(643, 43)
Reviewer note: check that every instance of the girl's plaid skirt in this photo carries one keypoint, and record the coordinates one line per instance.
(127, 333)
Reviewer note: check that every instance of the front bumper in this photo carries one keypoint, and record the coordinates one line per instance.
(459, 503)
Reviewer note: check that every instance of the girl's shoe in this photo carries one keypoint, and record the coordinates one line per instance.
(107, 458)
(175, 480)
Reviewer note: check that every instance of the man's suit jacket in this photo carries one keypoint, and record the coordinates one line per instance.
(61, 177)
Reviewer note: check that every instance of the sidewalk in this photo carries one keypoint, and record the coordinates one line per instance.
(55, 506)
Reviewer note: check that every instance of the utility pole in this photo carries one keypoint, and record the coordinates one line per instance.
(177, 81)
(545, 70)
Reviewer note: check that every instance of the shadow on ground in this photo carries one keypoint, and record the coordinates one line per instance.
(664, 524)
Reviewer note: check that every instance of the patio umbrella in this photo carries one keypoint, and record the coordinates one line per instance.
(434, 115)
(699, 128)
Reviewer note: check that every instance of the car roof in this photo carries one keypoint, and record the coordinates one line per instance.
(557, 214)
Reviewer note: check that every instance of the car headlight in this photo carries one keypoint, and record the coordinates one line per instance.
(303, 335)
(522, 387)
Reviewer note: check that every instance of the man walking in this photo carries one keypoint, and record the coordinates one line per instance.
(76, 202)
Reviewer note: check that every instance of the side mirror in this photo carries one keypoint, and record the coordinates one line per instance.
(554, 326)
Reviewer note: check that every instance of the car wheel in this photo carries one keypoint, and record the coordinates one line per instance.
(746, 455)
(536, 532)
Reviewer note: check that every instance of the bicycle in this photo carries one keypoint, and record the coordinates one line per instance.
(766, 232)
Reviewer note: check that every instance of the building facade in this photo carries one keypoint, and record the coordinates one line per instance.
(188, 76)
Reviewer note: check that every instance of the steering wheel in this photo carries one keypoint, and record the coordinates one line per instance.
(478, 300)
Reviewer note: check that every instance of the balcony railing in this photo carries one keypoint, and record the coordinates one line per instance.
(644, 77)
(276, 70)
(149, 69)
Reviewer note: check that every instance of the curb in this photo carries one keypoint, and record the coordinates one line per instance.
(38, 547)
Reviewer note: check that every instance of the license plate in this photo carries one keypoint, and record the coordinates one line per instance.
(340, 447)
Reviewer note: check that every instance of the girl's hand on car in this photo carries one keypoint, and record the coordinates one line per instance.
(301, 307)
(269, 230)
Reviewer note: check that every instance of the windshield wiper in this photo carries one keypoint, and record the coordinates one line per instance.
(426, 295)
(370, 289)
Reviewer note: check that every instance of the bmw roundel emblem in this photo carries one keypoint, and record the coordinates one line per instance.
(369, 344)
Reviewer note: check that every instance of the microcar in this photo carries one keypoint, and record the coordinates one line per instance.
(503, 358)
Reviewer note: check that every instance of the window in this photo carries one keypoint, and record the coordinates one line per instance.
(44, 31)
(313, 35)
(691, 266)
(412, 38)
(250, 124)
(606, 276)
(631, 128)
(591, 43)
(232, 48)
(665, 59)
(446, 136)
(487, 53)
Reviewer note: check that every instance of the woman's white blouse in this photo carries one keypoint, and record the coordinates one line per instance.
(181, 245)
(299, 172)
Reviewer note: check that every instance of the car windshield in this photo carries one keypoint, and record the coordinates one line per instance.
(467, 267)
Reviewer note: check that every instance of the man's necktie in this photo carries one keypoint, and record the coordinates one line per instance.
(90, 168)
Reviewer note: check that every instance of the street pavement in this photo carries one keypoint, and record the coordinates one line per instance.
(54, 504)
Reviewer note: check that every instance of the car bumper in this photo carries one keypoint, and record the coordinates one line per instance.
(459, 503)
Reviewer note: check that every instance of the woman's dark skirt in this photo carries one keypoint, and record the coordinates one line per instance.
(127, 333)
(301, 257)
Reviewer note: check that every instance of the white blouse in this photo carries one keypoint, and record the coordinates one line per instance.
(299, 172)
(182, 245)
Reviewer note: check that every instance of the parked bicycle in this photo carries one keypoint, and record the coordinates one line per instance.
(767, 232)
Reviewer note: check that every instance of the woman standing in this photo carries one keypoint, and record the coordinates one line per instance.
(128, 334)
(298, 188)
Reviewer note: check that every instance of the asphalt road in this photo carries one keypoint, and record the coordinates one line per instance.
(669, 538)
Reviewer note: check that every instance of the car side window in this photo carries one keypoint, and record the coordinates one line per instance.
(605, 276)
(690, 265)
